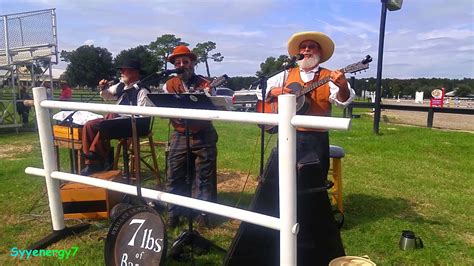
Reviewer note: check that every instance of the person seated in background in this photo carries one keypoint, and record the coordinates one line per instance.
(66, 92)
(128, 92)
(21, 108)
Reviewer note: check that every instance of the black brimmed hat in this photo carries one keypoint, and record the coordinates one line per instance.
(130, 64)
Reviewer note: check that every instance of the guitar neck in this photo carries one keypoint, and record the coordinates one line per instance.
(317, 84)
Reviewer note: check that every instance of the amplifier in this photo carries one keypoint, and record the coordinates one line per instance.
(64, 132)
(82, 201)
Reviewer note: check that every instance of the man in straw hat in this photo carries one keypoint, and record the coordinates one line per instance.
(203, 140)
(316, 48)
(126, 92)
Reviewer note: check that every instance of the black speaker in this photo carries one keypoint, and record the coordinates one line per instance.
(319, 239)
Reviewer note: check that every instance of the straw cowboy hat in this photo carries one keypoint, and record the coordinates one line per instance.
(327, 45)
(181, 50)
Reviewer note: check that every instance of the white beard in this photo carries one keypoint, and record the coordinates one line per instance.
(308, 63)
(124, 79)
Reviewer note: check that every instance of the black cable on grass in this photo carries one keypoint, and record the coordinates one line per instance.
(251, 164)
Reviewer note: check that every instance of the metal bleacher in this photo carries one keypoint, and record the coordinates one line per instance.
(26, 39)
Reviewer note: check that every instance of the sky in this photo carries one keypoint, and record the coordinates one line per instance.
(425, 38)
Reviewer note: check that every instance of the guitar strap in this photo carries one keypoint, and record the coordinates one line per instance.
(195, 82)
(315, 78)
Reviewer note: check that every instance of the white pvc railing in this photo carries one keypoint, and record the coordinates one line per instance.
(286, 119)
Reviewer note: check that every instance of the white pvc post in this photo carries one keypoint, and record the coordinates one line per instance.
(49, 158)
(287, 180)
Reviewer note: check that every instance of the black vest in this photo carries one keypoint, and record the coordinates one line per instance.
(130, 96)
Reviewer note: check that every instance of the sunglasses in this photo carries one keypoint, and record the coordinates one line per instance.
(183, 62)
(308, 46)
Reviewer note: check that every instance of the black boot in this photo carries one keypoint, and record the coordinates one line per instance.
(92, 168)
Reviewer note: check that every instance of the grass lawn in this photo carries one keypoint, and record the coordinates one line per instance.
(406, 178)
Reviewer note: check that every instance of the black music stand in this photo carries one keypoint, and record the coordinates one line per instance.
(190, 237)
(183, 100)
(69, 122)
(121, 128)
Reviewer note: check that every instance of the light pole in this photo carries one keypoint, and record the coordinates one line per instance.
(366, 89)
(392, 5)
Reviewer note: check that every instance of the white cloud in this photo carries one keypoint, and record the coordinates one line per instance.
(466, 48)
(357, 26)
(446, 33)
(89, 42)
(235, 32)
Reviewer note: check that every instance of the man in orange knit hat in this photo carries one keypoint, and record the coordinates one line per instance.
(316, 48)
(203, 140)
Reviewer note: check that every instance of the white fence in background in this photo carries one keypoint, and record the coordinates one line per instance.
(286, 120)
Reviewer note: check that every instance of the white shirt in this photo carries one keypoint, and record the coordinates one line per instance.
(279, 80)
(110, 94)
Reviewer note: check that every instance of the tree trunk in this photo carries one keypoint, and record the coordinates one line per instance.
(207, 68)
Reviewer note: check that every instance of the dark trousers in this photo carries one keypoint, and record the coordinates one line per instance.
(202, 179)
(23, 111)
(314, 142)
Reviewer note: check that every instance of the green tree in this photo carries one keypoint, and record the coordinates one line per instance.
(149, 63)
(463, 91)
(396, 89)
(202, 52)
(163, 46)
(87, 65)
(238, 83)
(271, 65)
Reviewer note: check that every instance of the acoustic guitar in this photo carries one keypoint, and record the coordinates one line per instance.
(219, 81)
(302, 101)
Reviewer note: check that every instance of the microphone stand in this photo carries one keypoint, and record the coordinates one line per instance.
(262, 83)
(190, 237)
(153, 78)
(126, 201)
(136, 157)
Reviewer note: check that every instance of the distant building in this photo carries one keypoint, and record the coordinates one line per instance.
(453, 94)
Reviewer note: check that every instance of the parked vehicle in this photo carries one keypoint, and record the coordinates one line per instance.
(245, 100)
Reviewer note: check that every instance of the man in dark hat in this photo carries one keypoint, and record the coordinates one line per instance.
(203, 139)
(126, 92)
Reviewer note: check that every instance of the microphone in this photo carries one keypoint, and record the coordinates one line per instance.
(297, 57)
(113, 81)
(292, 61)
(109, 83)
(170, 71)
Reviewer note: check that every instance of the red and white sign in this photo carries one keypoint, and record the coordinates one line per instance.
(437, 98)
